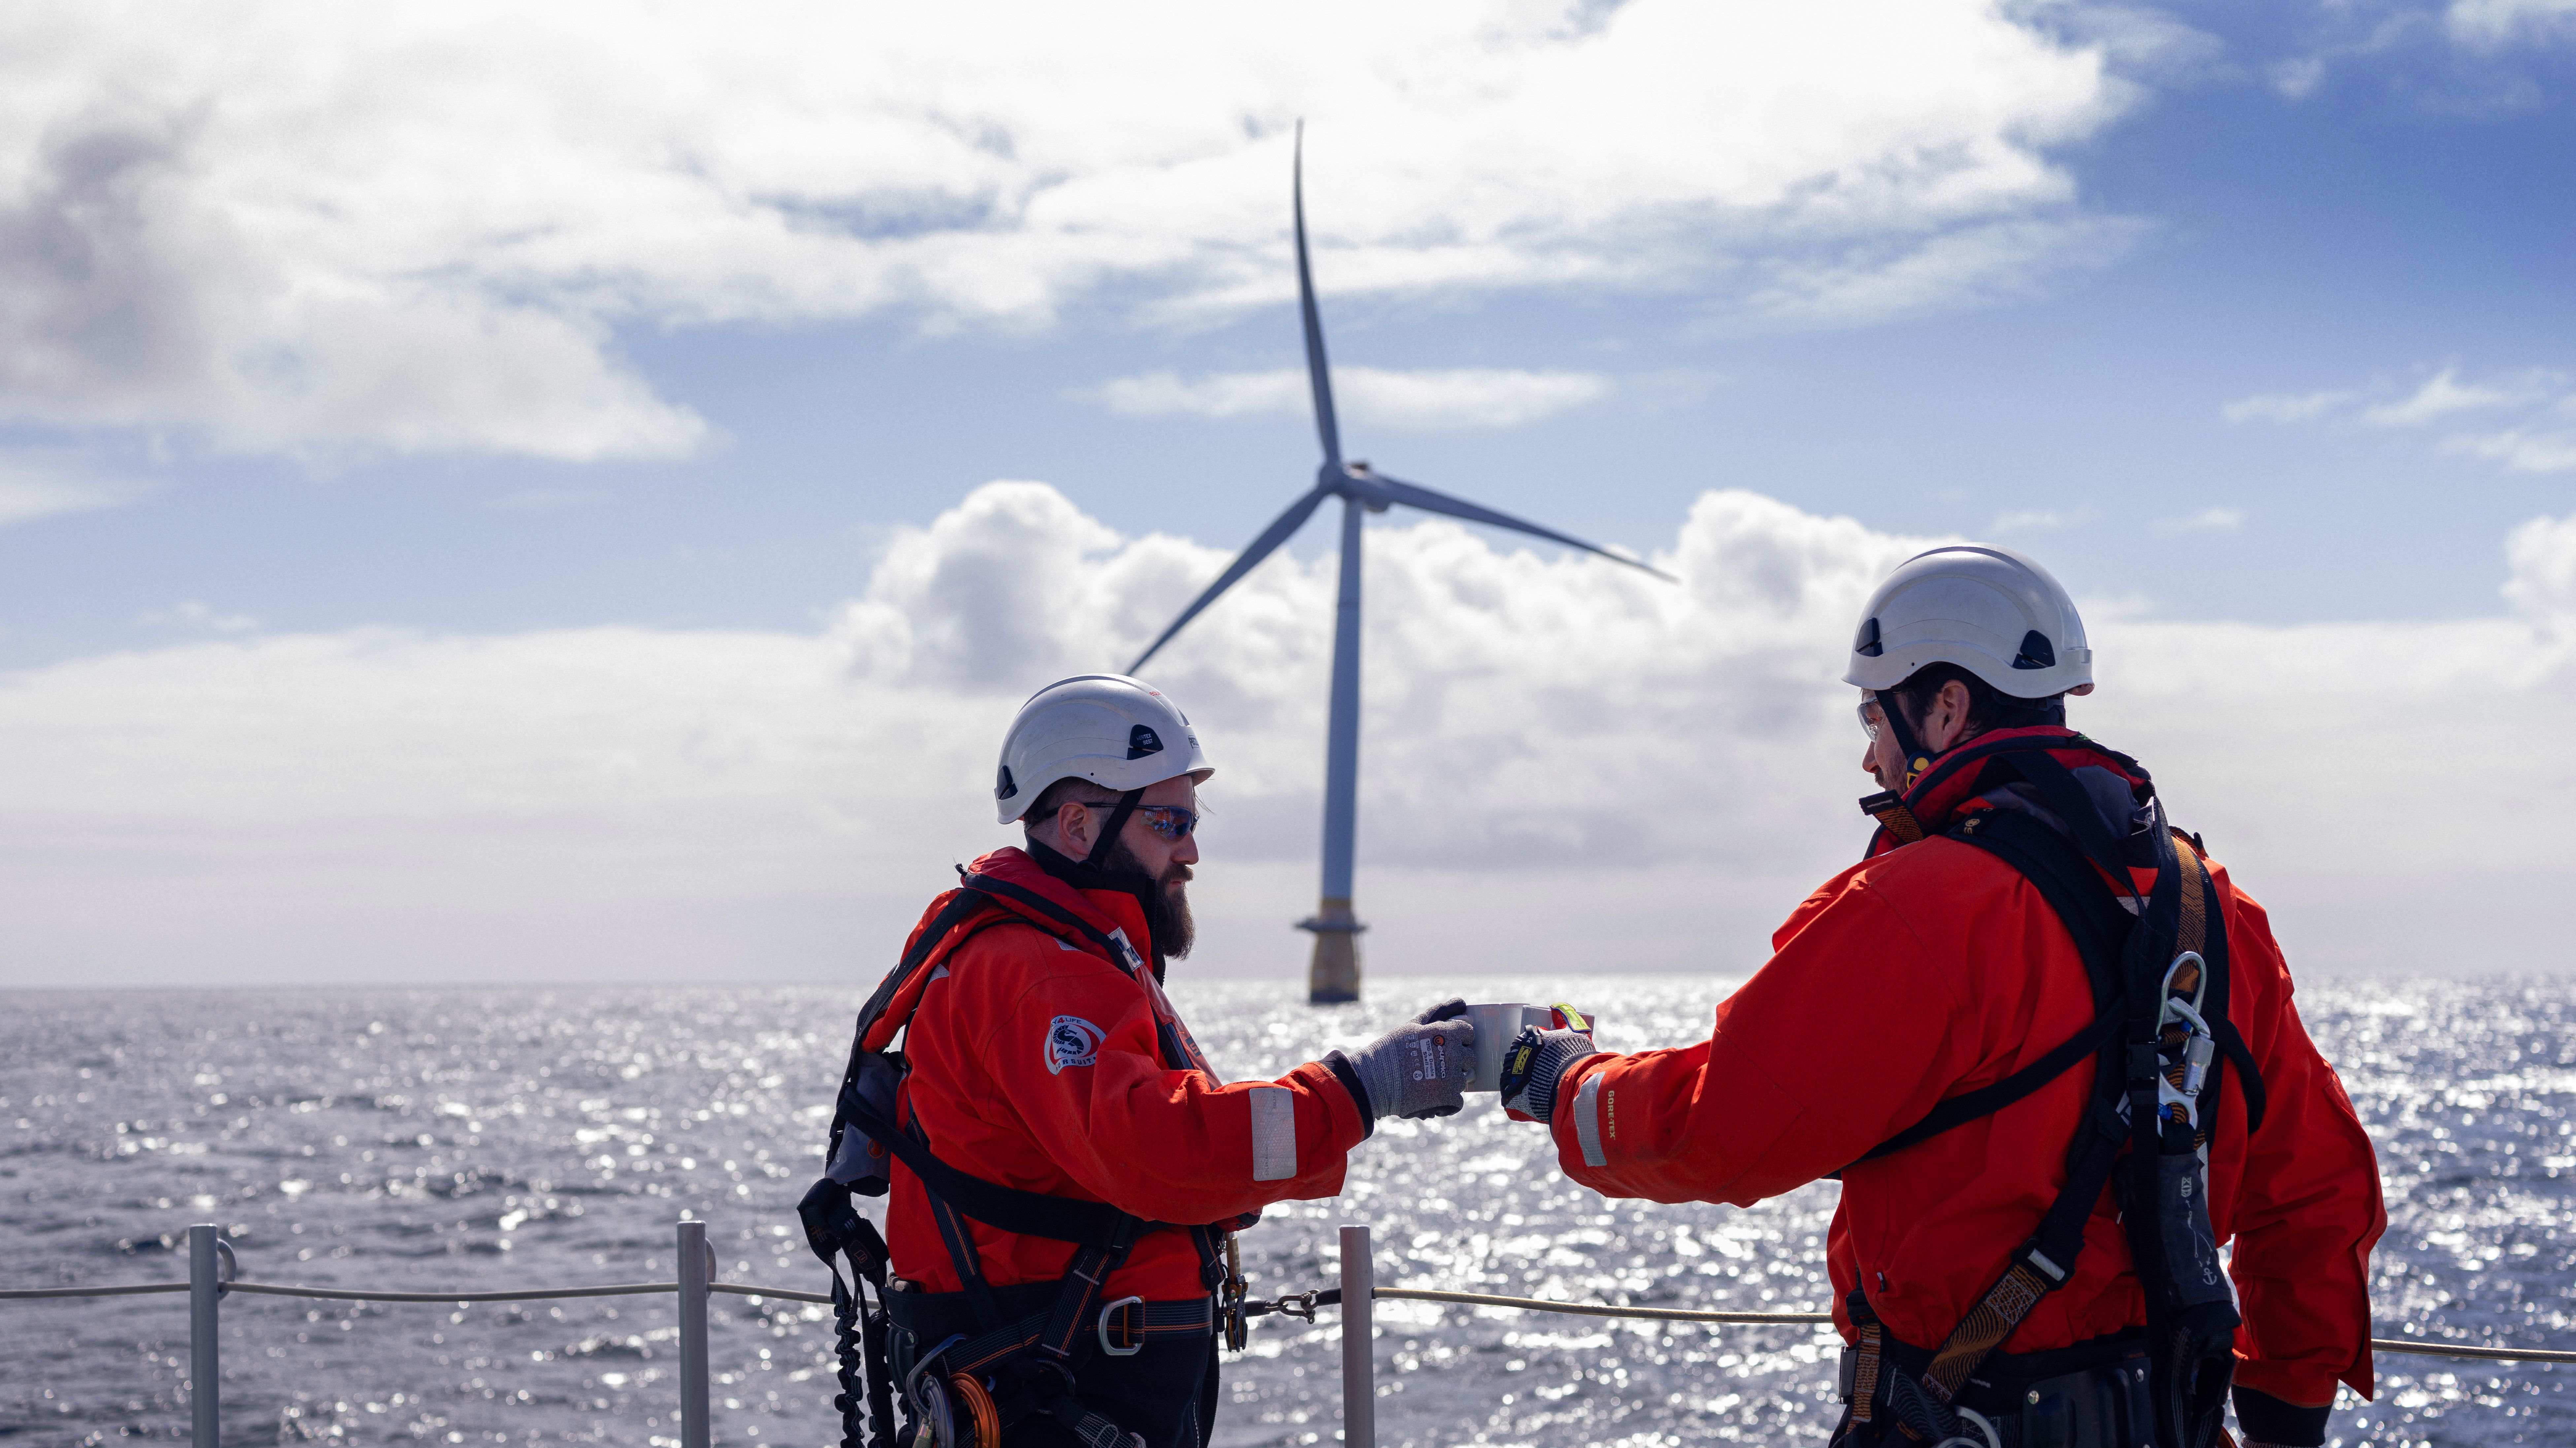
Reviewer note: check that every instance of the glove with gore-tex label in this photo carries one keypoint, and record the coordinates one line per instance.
(1421, 1067)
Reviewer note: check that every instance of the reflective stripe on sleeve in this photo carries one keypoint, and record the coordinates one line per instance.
(1274, 1133)
(1587, 1120)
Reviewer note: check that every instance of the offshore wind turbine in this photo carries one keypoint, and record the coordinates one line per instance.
(1335, 972)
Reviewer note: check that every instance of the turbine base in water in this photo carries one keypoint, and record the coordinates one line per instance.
(1334, 977)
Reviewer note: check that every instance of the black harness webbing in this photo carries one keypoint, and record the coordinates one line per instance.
(1025, 1363)
(2180, 916)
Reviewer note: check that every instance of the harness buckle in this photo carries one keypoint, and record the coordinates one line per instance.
(1111, 1348)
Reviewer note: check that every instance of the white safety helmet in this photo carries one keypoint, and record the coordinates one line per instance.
(1989, 610)
(1117, 732)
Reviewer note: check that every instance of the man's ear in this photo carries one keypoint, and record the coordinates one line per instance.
(1073, 828)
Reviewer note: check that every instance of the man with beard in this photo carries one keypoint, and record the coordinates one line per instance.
(1043, 1057)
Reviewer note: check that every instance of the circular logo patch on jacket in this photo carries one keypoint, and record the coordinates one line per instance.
(1072, 1041)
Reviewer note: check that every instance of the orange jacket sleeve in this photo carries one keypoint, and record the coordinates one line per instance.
(1834, 1045)
(2308, 1210)
(1074, 1057)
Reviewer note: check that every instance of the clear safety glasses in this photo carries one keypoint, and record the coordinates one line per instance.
(1868, 725)
(1167, 821)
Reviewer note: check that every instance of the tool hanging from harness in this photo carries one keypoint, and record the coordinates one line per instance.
(2158, 970)
(1023, 1355)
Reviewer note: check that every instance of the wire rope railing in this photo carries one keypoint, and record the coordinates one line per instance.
(212, 1277)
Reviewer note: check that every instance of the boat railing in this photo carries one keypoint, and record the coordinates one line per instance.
(213, 1275)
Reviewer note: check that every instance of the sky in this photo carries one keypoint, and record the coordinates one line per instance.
(491, 496)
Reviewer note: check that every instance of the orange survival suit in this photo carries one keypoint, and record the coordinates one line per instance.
(1932, 969)
(1063, 1169)
(1036, 1064)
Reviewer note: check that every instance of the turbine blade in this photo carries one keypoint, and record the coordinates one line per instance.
(1318, 372)
(1244, 562)
(1413, 495)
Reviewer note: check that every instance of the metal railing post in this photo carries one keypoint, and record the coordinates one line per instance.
(1359, 1347)
(205, 1368)
(697, 1270)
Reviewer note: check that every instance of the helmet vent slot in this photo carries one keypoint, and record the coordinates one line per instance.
(1868, 646)
(2035, 652)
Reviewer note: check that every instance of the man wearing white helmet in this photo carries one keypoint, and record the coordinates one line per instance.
(1066, 1169)
(2050, 1050)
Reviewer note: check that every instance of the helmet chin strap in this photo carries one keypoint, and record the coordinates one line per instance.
(1100, 848)
(1917, 759)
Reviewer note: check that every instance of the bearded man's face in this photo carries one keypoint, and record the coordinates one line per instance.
(1167, 905)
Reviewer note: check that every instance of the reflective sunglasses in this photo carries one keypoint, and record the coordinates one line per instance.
(1868, 725)
(1167, 821)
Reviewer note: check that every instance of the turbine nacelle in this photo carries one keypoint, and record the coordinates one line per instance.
(1355, 482)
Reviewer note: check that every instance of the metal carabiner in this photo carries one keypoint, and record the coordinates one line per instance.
(2200, 977)
(1111, 1348)
(1235, 1329)
(930, 1403)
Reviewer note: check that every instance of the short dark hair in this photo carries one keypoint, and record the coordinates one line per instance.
(1070, 790)
(1988, 706)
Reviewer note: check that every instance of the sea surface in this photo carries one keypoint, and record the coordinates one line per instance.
(490, 1140)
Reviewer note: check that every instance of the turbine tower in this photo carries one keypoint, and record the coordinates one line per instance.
(1335, 974)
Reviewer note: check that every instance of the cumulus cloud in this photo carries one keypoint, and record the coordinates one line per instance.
(1564, 761)
(2543, 555)
(381, 228)
(1424, 399)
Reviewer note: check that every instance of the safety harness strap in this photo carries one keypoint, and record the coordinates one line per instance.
(1888, 808)
(2098, 925)
(1037, 1353)
(1987, 1100)
(1124, 1326)
(1028, 1214)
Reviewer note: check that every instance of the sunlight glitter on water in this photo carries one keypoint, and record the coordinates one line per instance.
(454, 1141)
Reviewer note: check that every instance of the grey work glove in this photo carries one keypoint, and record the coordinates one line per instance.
(1418, 1069)
(1532, 1065)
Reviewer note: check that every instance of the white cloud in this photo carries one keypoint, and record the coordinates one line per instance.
(2284, 406)
(1420, 399)
(2443, 394)
(2535, 446)
(1968, 266)
(41, 484)
(2491, 24)
(2542, 554)
(2521, 450)
(2207, 520)
(385, 228)
(1558, 751)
